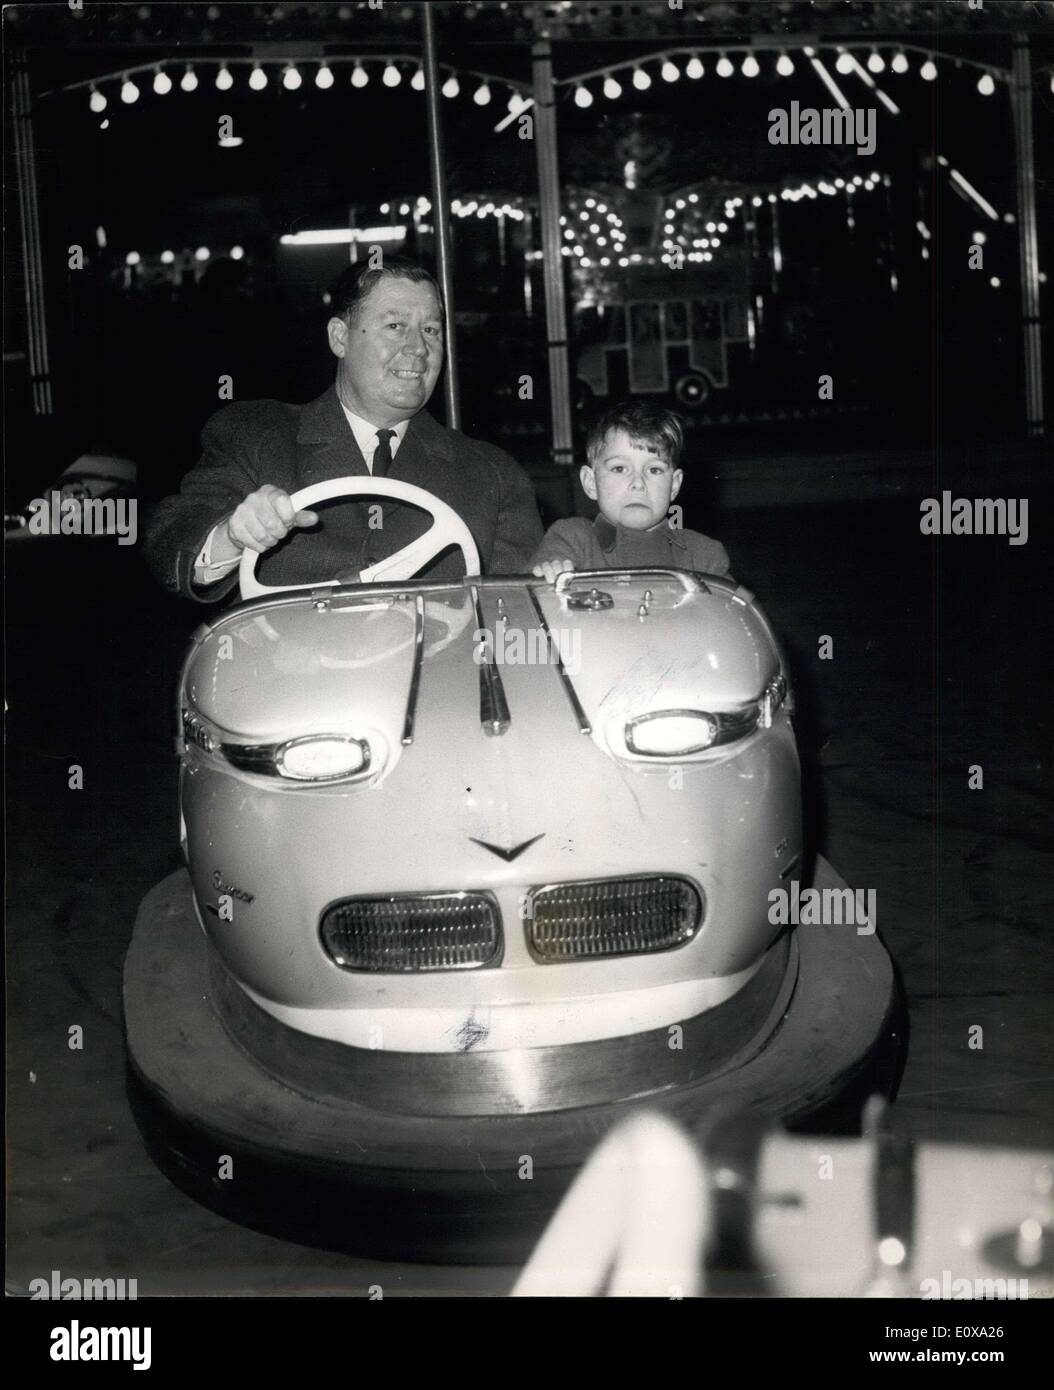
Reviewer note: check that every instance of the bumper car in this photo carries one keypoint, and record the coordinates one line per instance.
(471, 868)
(86, 499)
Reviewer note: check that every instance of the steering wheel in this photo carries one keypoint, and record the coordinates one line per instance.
(447, 529)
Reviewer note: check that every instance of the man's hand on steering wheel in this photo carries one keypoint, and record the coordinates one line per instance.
(263, 519)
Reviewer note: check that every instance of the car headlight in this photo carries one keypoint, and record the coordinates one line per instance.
(310, 758)
(678, 733)
(322, 758)
(671, 733)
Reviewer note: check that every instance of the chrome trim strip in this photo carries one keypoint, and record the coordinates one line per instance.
(584, 726)
(689, 580)
(494, 714)
(341, 594)
(415, 674)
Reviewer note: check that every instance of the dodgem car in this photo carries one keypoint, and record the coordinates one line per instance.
(471, 867)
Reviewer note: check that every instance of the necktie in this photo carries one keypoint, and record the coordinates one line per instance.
(382, 455)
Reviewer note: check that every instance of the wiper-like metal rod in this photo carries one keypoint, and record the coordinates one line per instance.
(494, 714)
(584, 726)
(415, 673)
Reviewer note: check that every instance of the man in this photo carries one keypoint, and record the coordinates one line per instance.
(386, 330)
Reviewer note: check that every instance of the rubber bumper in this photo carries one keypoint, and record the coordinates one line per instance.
(463, 1189)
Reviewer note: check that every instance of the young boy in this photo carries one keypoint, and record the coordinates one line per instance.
(633, 475)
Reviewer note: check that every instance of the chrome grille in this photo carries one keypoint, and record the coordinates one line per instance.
(401, 933)
(612, 917)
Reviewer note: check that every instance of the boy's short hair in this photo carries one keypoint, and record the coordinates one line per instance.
(652, 426)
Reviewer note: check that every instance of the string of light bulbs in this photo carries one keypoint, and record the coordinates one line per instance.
(291, 74)
(851, 59)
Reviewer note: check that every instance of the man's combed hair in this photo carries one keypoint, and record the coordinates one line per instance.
(354, 284)
(648, 426)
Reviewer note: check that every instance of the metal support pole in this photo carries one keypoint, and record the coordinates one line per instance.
(1027, 238)
(441, 215)
(552, 265)
(32, 260)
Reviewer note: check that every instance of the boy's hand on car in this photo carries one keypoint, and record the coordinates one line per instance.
(263, 519)
(549, 569)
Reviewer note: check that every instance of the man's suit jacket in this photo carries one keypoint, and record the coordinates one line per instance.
(251, 443)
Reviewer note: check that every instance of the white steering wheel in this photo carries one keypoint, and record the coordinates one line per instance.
(447, 529)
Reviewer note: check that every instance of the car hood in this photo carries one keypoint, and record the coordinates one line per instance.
(268, 672)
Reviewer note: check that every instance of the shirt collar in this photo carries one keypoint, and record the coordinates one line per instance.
(607, 533)
(366, 434)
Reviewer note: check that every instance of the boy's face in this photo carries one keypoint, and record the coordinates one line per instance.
(631, 484)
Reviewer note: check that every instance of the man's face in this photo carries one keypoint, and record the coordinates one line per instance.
(391, 352)
(632, 485)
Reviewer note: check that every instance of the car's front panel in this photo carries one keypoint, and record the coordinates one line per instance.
(535, 878)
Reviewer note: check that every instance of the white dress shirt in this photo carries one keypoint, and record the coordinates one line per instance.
(206, 572)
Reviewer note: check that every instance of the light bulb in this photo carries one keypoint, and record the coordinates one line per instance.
(481, 96)
(324, 77)
(928, 71)
(132, 258)
(583, 97)
(986, 84)
(724, 66)
(129, 91)
(876, 63)
(258, 79)
(189, 80)
(291, 79)
(900, 62)
(359, 76)
(641, 80)
(417, 82)
(224, 80)
(162, 83)
(97, 102)
(451, 87)
(844, 64)
(785, 65)
(391, 77)
(167, 257)
(750, 67)
(237, 252)
(695, 68)
(202, 253)
(612, 87)
(670, 71)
